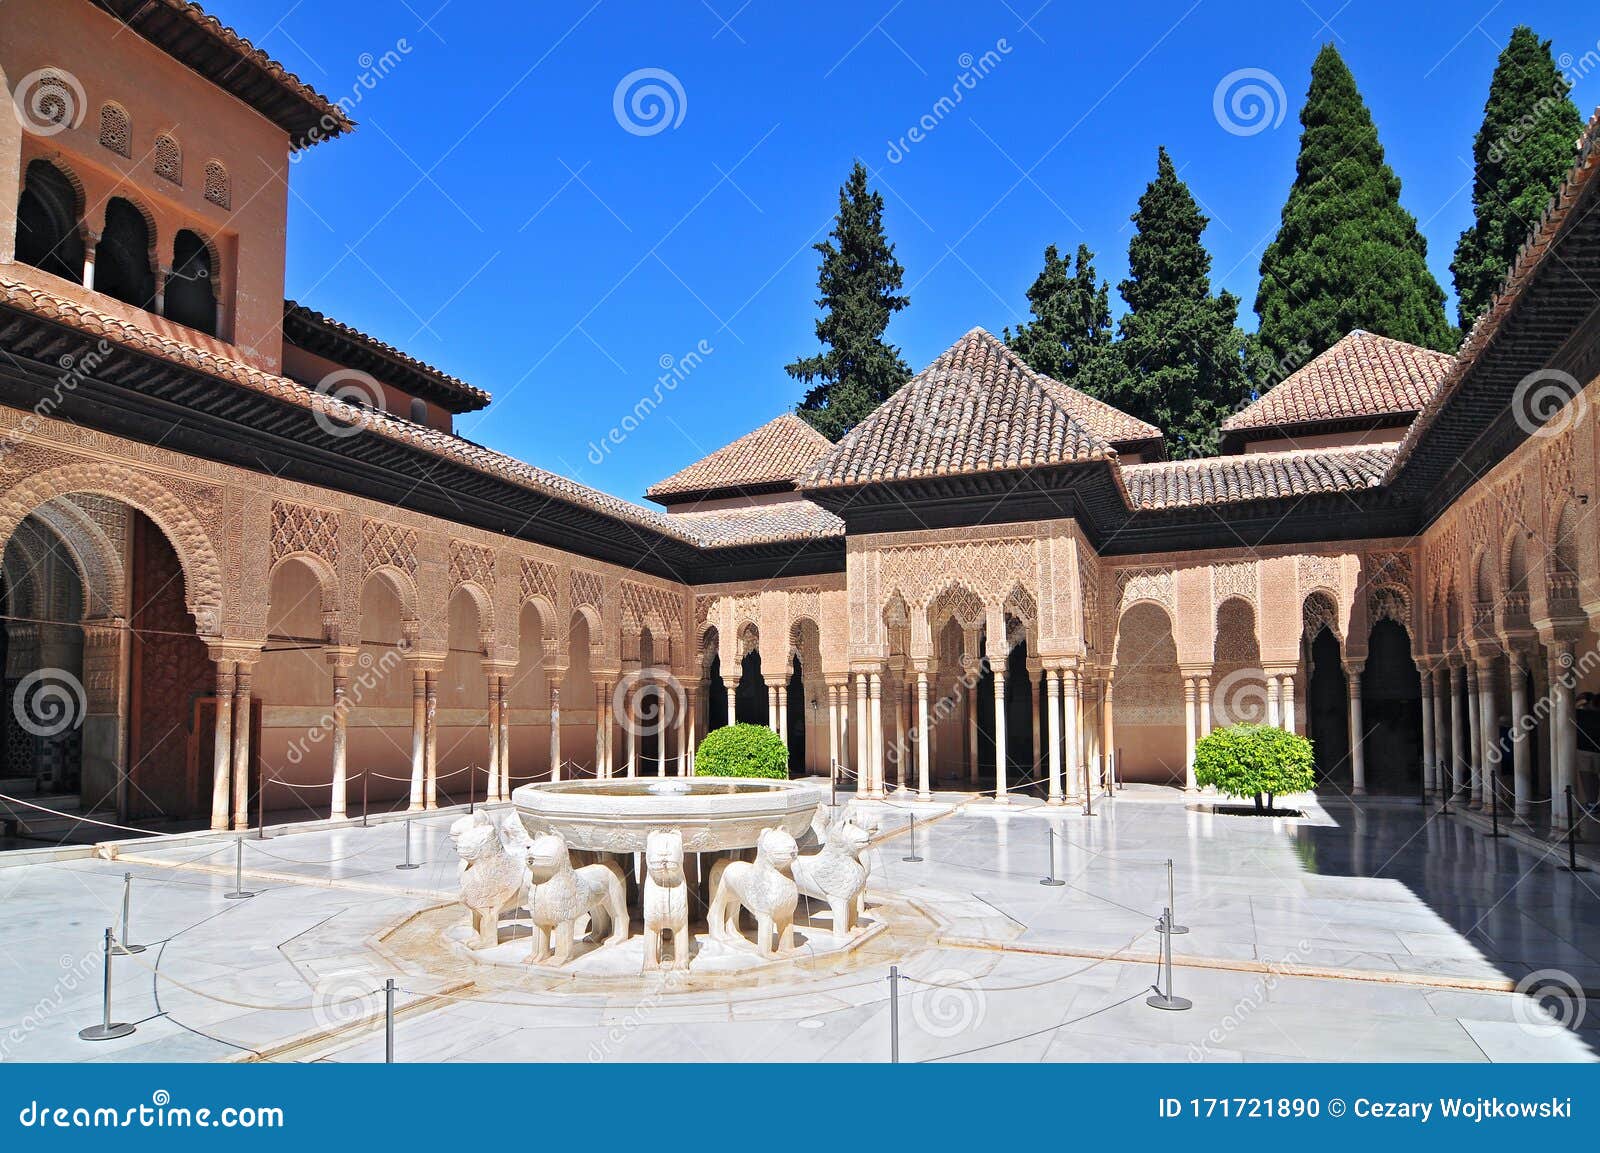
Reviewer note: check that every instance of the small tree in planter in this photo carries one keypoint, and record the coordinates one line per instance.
(1257, 761)
(742, 751)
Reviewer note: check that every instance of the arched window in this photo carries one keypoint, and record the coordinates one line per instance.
(122, 258)
(169, 159)
(419, 410)
(191, 296)
(218, 188)
(48, 235)
(116, 131)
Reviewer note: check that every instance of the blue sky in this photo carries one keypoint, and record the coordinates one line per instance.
(493, 215)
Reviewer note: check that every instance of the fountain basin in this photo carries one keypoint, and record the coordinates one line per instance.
(713, 813)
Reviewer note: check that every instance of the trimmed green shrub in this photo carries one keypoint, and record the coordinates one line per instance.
(1256, 761)
(742, 751)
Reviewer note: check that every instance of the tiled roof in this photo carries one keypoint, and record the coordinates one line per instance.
(977, 408)
(201, 42)
(758, 524)
(1254, 476)
(310, 329)
(772, 456)
(1362, 375)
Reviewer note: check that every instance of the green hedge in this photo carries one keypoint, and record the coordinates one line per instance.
(742, 751)
(1256, 761)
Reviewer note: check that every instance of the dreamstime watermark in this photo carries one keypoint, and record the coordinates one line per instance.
(948, 1003)
(1246, 1005)
(160, 1113)
(1240, 697)
(374, 69)
(674, 371)
(373, 672)
(1248, 101)
(344, 1000)
(643, 1008)
(1572, 672)
(973, 69)
(648, 101)
(1549, 1001)
(1548, 402)
(49, 702)
(49, 102)
(648, 702)
(352, 397)
(76, 973)
(75, 370)
(1573, 69)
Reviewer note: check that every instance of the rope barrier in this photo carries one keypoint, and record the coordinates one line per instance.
(78, 817)
(313, 1006)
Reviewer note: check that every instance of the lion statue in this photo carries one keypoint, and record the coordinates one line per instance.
(559, 896)
(837, 874)
(666, 900)
(491, 870)
(763, 886)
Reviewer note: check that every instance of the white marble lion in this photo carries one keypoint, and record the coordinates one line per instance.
(837, 874)
(763, 886)
(559, 896)
(666, 900)
(492, 869)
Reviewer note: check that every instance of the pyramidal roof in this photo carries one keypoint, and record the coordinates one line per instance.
(977, 408)
(768, 459)
(1363, 375)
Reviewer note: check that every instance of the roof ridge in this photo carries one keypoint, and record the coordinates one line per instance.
(775, 452)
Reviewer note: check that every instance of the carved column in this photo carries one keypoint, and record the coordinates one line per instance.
(1205, 706)
(901, 748)
(1565, 734)
(1071, 723)
(430, 798)
(491, 789)
(833, 730)
(505, 737)
(970, 697)
(1428, 746)
(1036, 676)
(1108, 738)
(772, 706)
(733, 702)
(419, 734)
(1053, 730)
(1286, 686)
(1358, 760)
(1190, 700)
(1458, 732)
(1441, 728)
(1491, 733)
(1274, 710)
(555, 726)
(863, 727)
(924, 772)
(222, 749)
(875, 724)
(338, 801)
(1001, 788)
(602, 729)
(1521, 747)
(241, 746)
(1474, 733)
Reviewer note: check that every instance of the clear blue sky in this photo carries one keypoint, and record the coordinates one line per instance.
(493, 217)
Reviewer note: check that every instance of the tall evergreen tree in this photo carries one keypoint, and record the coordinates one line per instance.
(1071, 325)
(1520, 154)
(859, 280)
(1346, 254)
(1182, 353)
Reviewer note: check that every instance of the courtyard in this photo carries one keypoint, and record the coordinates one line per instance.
(1360, 931)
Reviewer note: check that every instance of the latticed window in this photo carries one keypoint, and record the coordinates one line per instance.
(116, 133)
(218, 190)
(169, 159)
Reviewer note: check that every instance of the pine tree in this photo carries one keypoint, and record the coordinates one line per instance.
(1346, 254)
(1520, 154)
(859, 280)
(1071, 325)
(1182, 353)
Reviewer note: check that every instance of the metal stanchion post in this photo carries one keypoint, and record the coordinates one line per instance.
(127, 899)
(1052, 880)
(261, 811)
(1164, 999)
(408, 864)
(894, 1015)
(1172, 904)
(1444, 791)
(388, 1021)
(1572, 865)
(1494, 806)
(107, 1030)
(1116, 767)
(364, 775)
(833, 783)
(238, 893)
(913, 859)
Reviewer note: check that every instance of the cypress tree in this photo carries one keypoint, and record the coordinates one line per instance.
(1346, 254)
(1182, 353)
(1519, 156)
(1071, 325)
(859, 280)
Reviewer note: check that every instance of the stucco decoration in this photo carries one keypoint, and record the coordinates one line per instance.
(765, 887)
(1236, 579)
(493, 869)
(836, 874)
(471, 563)
(385, 545)
(666, 900)
(1148, 584)
(559, 896)
(300, 528)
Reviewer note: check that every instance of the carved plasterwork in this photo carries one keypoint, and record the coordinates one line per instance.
(470, 562)
(1236, 579)
(300, 528)
(388, 545)
(1155, 585)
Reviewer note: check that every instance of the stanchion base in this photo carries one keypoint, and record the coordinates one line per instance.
(1157, 1001)
(1175, 930)
(1491, 834)
(105, 1032)
(408, 866)
(1572, 868)
(912, 860)
(1053, 882)
(239, 896)
(127, 950)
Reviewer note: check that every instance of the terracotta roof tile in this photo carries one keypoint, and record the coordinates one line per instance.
(1362, 375)
(772, 456)
(1254, 476)
(977, 408)
(759, 524)
(296, 314)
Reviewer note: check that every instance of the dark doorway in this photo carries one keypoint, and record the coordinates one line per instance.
(1328, 715)
(122, 258)
(1391, 712)
(48, 236)
(750, 698)
(717, 700)
(190, 298)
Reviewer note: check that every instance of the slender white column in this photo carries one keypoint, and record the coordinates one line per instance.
(1441, 728)
(602, 706)
(902, 751)
(1286, 686)
(1274, 712)
(875, 733)
(1073, 767)
(1190, 693)
(1000, 786)
(924, 736)
(1458, 733)
(505, 737)
(1566, 731)
(1205, 706)
(222, 747)
(863, 728)
(1033, 712)
(833, 729)
(733, 709)
(971, 696)
(1427, 730)
(1491, 731)
(1053, 725)
(1108, 741)
(602, 730)
(491, 790)
(1358, 757)
(1475, 734)
(241, 747)
(419, 735)
(1522, 743)
(430, 783)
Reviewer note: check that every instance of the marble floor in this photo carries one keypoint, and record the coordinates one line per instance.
(1370, 932)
